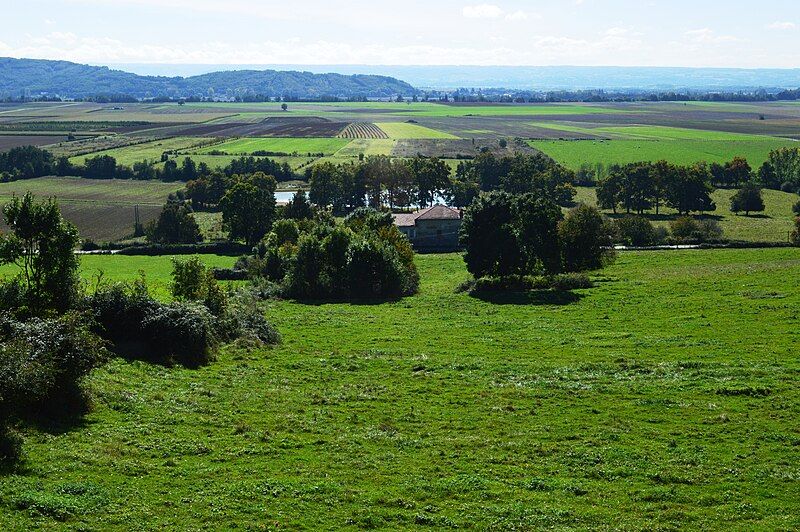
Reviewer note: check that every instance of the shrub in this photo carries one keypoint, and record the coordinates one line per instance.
(796, 208)
(563, 282)
(795, 237)
(175, 225)
(244, 319)
(636, 231)
(180, 333)
(192, 281)
(43, 363)
(684, 228)
(586, 239)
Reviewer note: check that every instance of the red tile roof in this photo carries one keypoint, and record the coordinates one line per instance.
(437, 212)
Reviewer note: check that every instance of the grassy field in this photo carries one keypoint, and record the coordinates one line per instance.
(513, 110)
(148, 151)
(688, 149)
(773, 225)
(101, 209)
(327, 146)
(403, 130)
(609, 409)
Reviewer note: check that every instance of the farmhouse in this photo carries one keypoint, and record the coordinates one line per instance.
(432, 229)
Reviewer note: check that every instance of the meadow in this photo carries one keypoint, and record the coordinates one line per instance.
(147, 151)
(772, 225)
(404, 130)
(606, 408)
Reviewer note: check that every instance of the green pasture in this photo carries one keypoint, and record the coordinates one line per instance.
(773, 225)
(665, 398)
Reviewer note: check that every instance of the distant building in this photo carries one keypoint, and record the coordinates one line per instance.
(432, 229)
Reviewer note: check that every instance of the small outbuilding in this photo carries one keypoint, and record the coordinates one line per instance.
(434, 229)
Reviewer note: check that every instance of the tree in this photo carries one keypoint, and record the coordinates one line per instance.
(324, 184)
(175, 225)
(100, 167)
(608, 191)
(41, 243)
(737, 171)
(432, 177)
(284, 107)
(463, 189)
(636, 187)
(691, 190)
(795, 236)
(504, 234)
(248, 208)
(748, 199)
(298, 208)
(488, 234)
(586, 239)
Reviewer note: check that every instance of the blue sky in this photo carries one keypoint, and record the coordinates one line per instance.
(699, 33)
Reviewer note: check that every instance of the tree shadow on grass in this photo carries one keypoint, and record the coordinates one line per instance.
(533, 297)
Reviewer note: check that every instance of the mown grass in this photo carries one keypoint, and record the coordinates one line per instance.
(772, 225)
(402, 130)
(665, 398)
(244, 146)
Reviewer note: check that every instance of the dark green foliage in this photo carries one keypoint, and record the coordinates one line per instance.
(795, 236)
(26, 162)
(192, 281)
(175, 225)
(688, 229)
(140, 327)
(365, 258)
(748, 199)
(636, 231)
(505, 234)
(586, 238)
(42, 244)
(562, 282)
(796, 208)
(299, 208)
(248, 207)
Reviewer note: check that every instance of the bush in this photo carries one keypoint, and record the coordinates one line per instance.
(795, 237)
(563, 282)
(175, 225)
(180, 333)
(636, 231)
(245, 320)
(192, 281)
(796, 208)
(687, 229)
(367, 257)
(43, 363)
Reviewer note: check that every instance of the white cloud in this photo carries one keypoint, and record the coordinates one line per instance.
(782, 26)
(708, 36)
(518, 16)
(229, 7)
(483, 11)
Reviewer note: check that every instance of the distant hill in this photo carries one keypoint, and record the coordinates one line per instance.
(67, 79)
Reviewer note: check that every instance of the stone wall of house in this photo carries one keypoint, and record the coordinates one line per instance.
(437, 234)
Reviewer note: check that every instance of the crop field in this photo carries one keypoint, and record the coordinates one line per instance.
(603, 409)
(367, 147)
(102, 210)
(245, 146)
(147, 151)
(628, 144)
(773, 225)
(403, 130)
(13, 141)
(363, 130)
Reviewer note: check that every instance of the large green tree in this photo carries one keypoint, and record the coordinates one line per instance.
(248, 207)
(42, 244)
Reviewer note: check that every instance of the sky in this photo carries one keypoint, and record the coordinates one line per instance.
(689, 33)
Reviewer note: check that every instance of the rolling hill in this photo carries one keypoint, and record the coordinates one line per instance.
(67, 79)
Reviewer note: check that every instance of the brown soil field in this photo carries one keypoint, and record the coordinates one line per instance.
(13, 141)
(454, 148)
(269, 127)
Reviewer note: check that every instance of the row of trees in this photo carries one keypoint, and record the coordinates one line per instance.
(380, 181)
(638, 187)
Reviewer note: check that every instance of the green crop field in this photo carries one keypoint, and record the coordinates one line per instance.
(148, 151)
(665, 398)
(367, 147)
(327, 146)
(773, 225)
(101, 209)
(438, 110)
(402, 130)
(683, 147)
